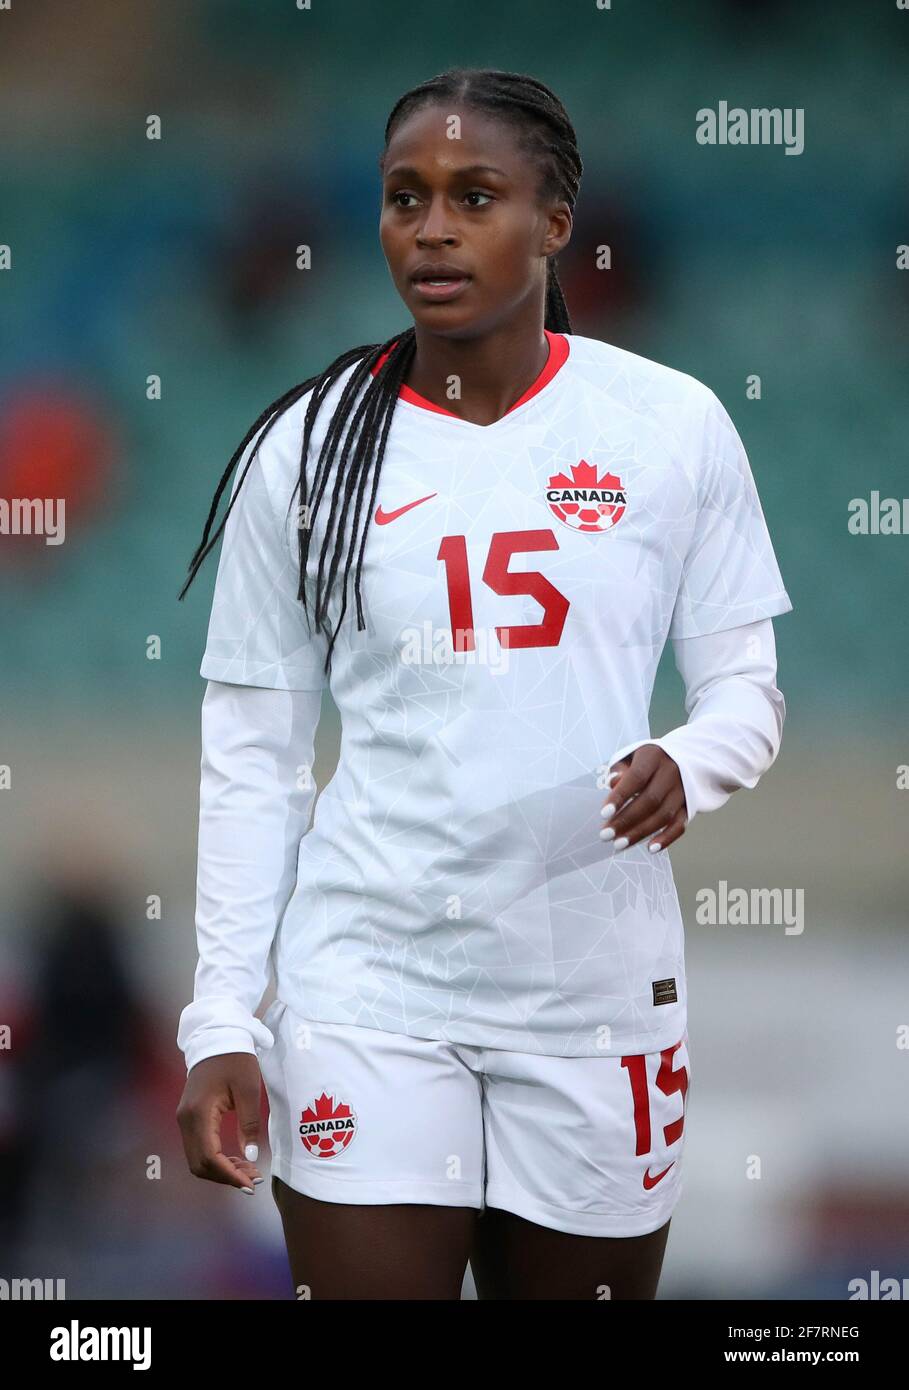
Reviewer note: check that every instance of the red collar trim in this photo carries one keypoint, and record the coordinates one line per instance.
(558, 353)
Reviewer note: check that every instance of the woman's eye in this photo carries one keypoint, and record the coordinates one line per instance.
(396, 196)
(475, 193)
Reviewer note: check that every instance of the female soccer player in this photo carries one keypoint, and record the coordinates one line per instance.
(478, 1048)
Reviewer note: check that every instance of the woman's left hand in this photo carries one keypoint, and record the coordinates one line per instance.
(647, 798)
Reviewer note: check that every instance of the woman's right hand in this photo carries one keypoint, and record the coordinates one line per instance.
(229, 1081)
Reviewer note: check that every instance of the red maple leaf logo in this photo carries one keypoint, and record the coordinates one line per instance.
(584, 474)
(587, 513)
(324, 1127)
(325, 1109)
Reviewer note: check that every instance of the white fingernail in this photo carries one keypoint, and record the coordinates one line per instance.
(608, 810)
(622, 843)
(250, 1190)
(251, 1152)
(607, 834)
(654, 848)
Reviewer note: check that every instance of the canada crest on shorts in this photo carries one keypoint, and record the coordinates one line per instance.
(327, 1126)
(588, 500)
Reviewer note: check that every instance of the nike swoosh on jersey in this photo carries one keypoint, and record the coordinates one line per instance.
(383, 518)
(650, 1182)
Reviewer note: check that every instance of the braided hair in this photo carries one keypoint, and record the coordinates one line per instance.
(544, 131)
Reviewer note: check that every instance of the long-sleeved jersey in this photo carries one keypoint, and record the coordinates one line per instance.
(519, 582)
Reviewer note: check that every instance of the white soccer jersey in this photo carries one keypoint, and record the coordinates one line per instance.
(519, 582)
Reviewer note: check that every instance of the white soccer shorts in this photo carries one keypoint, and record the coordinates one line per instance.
(588, 1145)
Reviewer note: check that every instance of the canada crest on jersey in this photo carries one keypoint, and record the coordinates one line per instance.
(588, 500)
(327, 1127)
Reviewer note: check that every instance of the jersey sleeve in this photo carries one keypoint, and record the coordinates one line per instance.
(735, 714)
(258, 632)
(256, 791)
(730, 574)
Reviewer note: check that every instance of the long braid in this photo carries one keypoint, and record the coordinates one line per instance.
(543, 130)
(269, 415)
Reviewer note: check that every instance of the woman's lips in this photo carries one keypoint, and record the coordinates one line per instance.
(447, 290)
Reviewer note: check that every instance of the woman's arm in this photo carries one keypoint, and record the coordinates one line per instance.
(735, 723)
(256, 796)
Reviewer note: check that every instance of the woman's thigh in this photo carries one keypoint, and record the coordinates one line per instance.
(387, 1251)
(513, 1258)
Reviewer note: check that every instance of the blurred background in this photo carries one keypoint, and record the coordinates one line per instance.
(175, 258)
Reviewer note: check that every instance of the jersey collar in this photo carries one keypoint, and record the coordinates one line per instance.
(558, 353)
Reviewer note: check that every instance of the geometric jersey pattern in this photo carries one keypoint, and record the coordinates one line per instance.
(453, 884)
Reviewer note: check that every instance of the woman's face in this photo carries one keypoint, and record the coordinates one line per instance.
(470, 203)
